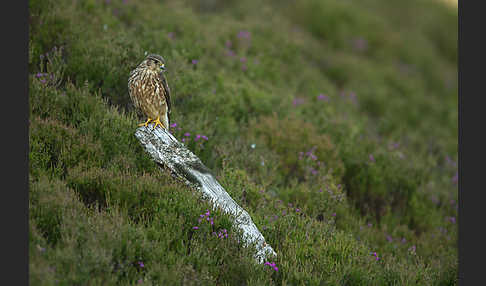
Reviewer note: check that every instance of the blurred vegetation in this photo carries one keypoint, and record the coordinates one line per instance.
(333, 123)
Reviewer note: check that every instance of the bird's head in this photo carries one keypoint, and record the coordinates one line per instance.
(155, 62)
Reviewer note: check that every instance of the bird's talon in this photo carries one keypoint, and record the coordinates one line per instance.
(157, 122)
(145, 123)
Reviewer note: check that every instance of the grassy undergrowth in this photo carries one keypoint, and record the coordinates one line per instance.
(333, 123)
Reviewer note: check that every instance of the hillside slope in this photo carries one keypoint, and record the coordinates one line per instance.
(333, 123)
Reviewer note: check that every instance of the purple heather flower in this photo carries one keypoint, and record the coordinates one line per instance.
(311, 155)
(412, 249)
(230, 53)
(273, 265)
(370, 225)
(228, 43)
(141, 264)
(403, 240)
(195, 227)
(394, 145)
(173, 125)
(450, 161)
(39, 74)
(389, 238)
(284, 212)
(360, 44)
(207, 213)
(323, 97)
(195, 62)
(43, 81)
(197, 137)
(375, 255)
(298, 101)
(333, 214)
(452, 219)
(455, 178)
(243, 60)
(187, 134)
(297, 210)
(140, 281)
(205, 137)
(170, 35)
(244, 34)
(320, 190)
(372, 159)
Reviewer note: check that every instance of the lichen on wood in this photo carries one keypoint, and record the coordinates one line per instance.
(166, 151)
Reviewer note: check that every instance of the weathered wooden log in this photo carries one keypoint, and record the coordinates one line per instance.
(169, 153)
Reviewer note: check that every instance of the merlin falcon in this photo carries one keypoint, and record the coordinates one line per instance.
(149, 91)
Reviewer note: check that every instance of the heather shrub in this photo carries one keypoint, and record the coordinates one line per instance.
(333, 124)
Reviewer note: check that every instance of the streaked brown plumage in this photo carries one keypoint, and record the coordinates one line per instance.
(149, 91)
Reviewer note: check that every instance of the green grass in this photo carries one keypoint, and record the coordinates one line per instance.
(369, 166)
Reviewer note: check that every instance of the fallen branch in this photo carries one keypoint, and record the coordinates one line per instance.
(170, 153)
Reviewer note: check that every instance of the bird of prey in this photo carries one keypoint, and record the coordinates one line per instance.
(149, 91)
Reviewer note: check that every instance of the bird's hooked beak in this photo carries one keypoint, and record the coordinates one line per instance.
(162, 67)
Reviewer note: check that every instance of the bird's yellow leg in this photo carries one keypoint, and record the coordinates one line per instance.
(157, 122)
(146, 122)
